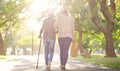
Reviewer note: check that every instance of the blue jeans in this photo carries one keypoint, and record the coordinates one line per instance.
(49, 44)
(64, 43)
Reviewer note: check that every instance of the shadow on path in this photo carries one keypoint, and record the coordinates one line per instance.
(28, 63)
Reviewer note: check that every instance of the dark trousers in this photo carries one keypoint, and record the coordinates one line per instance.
(64, 43)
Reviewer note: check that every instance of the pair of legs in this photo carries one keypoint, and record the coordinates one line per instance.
(64, 43)
(49, 44)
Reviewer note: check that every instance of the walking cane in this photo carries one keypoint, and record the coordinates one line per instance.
(39, 53)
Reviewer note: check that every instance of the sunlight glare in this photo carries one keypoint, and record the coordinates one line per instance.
(40, 6)
(36, 8)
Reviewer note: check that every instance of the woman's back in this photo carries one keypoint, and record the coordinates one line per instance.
(65, 25)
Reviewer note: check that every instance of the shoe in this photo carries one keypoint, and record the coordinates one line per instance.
(63, 67)
(48, 67)
(49, 64)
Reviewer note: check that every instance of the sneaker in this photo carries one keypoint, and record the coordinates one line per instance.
(48, 66)
(62, 67)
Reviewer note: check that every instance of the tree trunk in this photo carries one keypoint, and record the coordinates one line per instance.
(109, 45)
(107, 30)
(110, 52)
(74, 49)
(80, 43)
(2, 51)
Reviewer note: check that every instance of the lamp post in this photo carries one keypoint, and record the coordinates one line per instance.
(32, 24)
(32, 42)
(32, 35)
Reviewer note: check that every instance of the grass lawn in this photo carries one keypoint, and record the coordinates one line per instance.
(100, 60)
(5, 58)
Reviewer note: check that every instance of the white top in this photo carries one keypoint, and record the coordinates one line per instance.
(65, 26)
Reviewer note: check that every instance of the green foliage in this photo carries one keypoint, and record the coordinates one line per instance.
(91, 42)
(2, 57)
(104, 62)
(10, 23)
(10, 10)
(7, 58)
(115, 65)
(116, 32)
(26, 41)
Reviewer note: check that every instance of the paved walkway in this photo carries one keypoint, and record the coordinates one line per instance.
(28, 63)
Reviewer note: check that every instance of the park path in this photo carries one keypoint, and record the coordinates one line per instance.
(28, 63)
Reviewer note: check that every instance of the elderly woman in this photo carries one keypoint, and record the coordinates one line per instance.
(48, 38)
(64, 25)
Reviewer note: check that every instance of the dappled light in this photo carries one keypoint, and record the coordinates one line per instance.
(90, 27)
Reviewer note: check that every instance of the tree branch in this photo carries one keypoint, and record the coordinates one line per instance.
(99, 23)
(113, 7)
(95, 17)
(108, 16)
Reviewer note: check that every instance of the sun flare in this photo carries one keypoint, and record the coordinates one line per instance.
(36, 8)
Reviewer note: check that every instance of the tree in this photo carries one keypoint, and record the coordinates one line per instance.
(1, 45)
(9, 17)
(109, 12)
